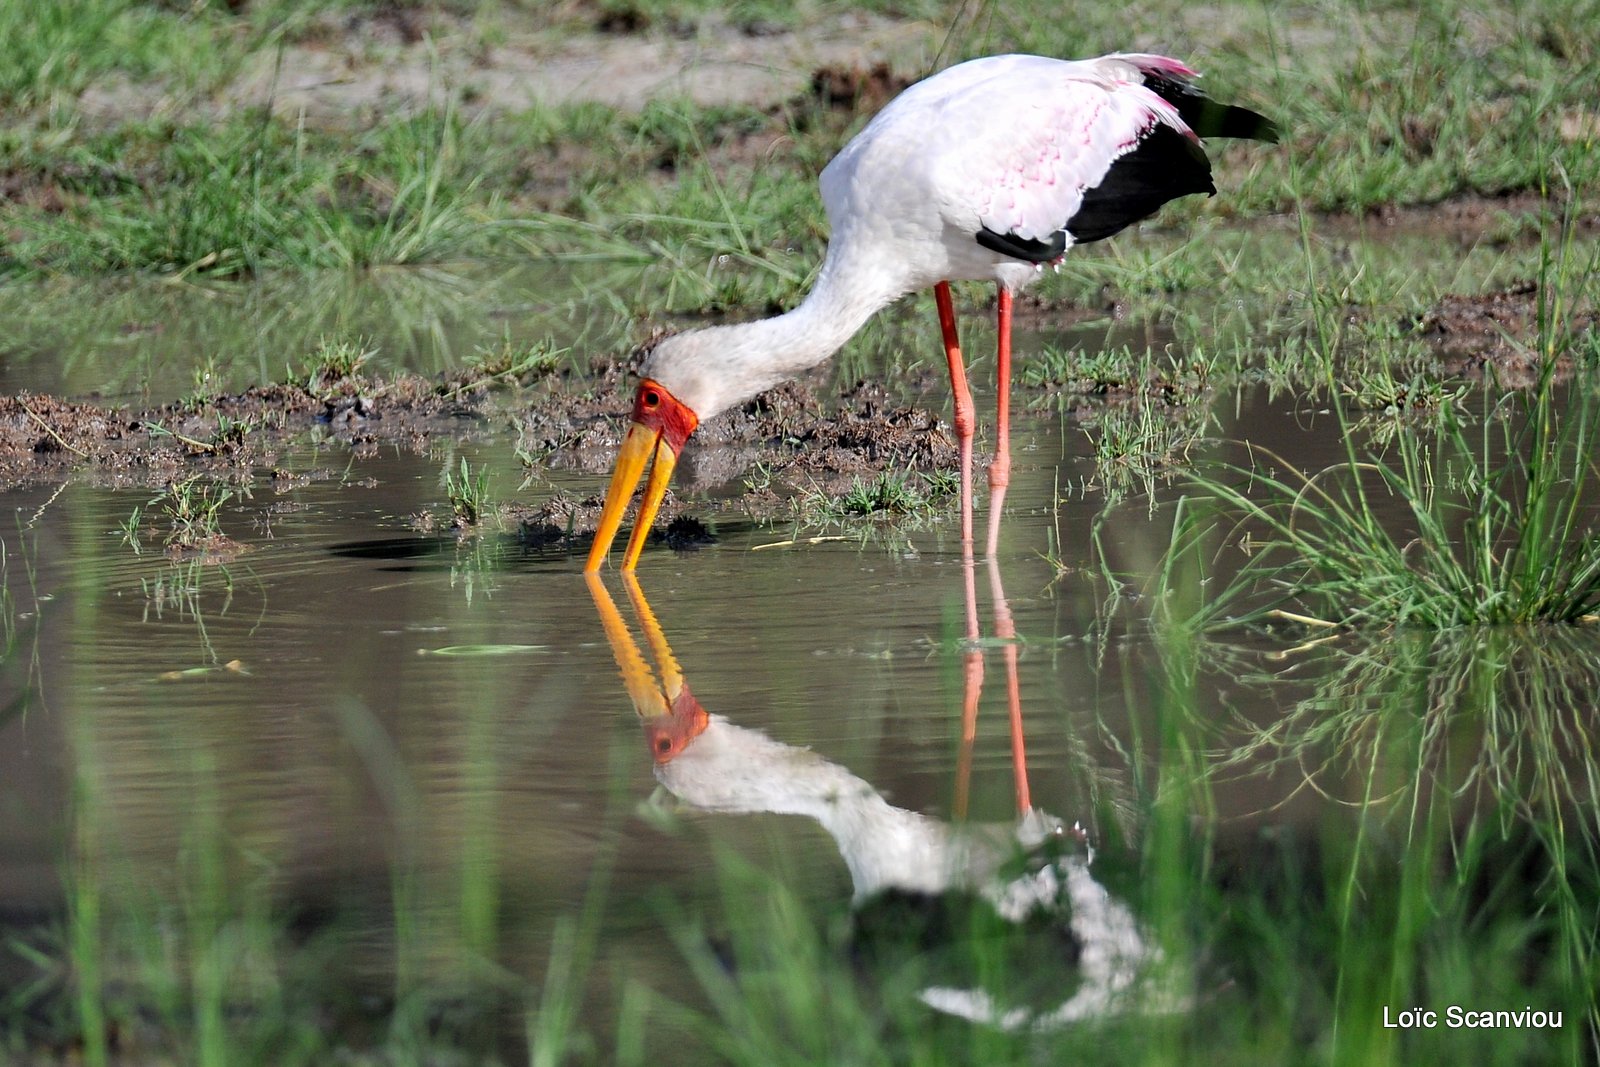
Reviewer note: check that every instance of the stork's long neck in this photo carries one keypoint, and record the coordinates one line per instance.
(729, 364)
(730, 768)
(883, 845)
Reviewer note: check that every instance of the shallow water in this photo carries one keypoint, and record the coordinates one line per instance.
(153, 340)
(407, 765)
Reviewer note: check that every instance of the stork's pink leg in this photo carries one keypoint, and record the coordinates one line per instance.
(966, 417)
(972, 689)
(972, 659)
(1005, 629)
(1000, 469)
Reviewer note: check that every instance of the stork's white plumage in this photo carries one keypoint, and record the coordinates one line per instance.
(986, 171)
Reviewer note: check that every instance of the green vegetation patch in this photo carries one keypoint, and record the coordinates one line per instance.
(253, 193)
(893, 496)
(1491, 519)
(1416, 107)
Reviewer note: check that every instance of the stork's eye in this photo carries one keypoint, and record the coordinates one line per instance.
(651, 398)
(664, 745)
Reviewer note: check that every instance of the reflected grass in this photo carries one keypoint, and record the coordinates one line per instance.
(130, 337)
(1469, 760)
(19, 630)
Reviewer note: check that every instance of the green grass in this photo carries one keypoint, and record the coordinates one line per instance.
(892, 497)
(334, 360)
(252, 194)
(1119, 369)
(468, 494)
(510, 362)
(1488, 519)
(192, 508)
(1142, 445)
(51, 53)
(1421, 106)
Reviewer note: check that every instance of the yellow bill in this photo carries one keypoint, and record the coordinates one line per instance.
(672, 718)
(640, 446)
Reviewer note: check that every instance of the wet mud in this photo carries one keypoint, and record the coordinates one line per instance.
(755, 458)
(1501, 337)
(801, 438)
(46, 438)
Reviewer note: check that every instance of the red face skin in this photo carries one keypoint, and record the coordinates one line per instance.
(662, 412)
(670, 734)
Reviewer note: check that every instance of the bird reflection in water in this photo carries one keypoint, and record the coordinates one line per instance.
(921, 885)
(672, 717)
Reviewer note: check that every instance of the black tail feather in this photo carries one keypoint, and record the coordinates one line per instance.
(1209, 118)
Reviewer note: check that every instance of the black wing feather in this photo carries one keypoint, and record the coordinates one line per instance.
(1027, 249)
(1163, 166)
(1209, 118)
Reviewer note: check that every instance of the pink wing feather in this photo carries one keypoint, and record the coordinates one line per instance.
(1043, 135)
(1007, 144)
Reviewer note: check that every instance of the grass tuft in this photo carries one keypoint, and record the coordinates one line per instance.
(468, 493)
(193, 509)
(514, 361)
(1485, 521)
(891, 497)
(335, 360)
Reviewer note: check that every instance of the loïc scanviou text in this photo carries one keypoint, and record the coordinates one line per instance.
(1456, 1017)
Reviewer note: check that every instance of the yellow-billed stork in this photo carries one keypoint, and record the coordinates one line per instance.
(988, 170)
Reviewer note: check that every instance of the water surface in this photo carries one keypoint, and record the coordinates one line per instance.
(384, 778)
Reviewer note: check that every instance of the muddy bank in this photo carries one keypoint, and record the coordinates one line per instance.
(1502, 337)
(46, 438)
(804, 439)
(788, 441)
(754, 461)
